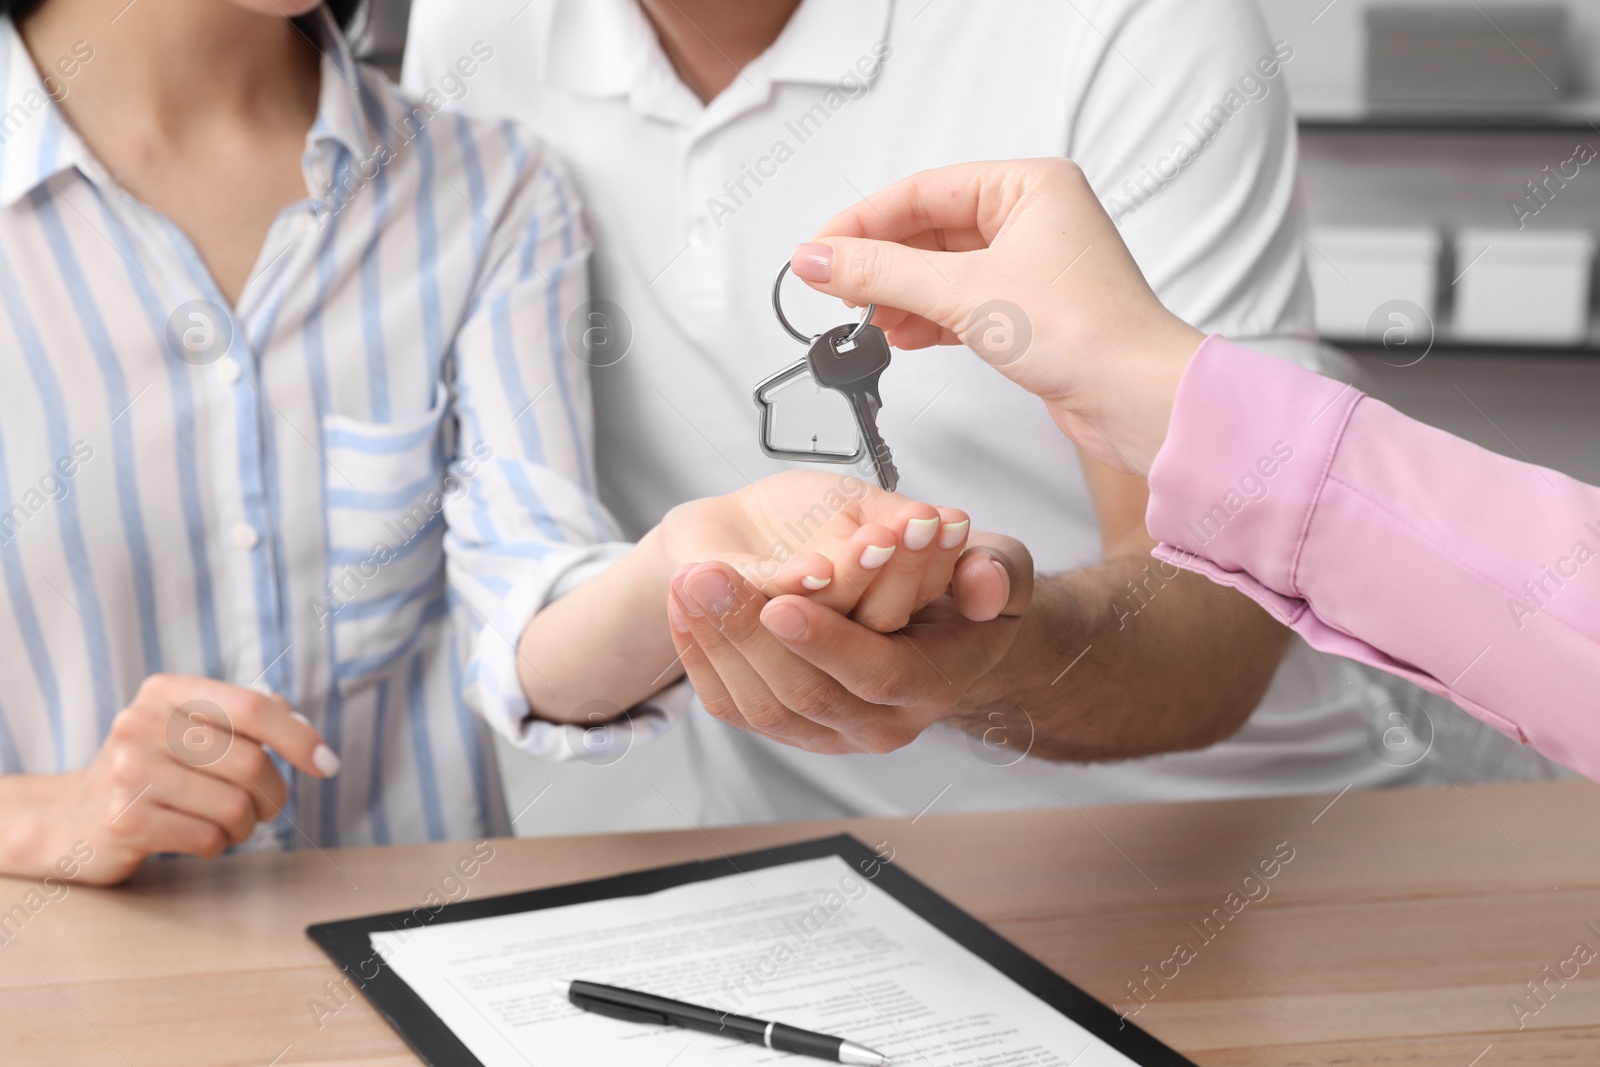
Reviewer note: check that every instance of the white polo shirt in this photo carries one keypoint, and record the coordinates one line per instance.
(1177, 111)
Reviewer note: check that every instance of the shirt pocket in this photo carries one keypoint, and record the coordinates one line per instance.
(385, 514)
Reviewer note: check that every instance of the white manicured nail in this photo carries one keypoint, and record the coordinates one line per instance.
(325, 761)
(813, 583)
(301, 719)
(875, 556)
(954, 533)
(919, 533)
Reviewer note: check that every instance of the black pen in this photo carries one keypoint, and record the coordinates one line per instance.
(646, 1008)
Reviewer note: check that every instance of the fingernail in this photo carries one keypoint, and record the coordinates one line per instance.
(325, 761)
(1005, 575)
(675, 616)
(785, 620)
(954, 533)
(301, 719)
(875, 556)
(813, 263)
(813, 583)
(710, 591)
(919, 533)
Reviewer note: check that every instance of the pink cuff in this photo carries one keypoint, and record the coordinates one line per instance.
(1240, 491)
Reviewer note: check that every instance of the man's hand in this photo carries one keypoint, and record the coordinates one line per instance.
(184, 769)
(800, 673)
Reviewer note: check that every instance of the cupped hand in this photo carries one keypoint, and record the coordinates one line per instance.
(184, 769)
(800, 673)
(841, 542)
(1019, 261)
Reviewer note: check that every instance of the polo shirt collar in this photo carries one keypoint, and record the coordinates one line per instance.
(596, 47)
(826, 39)
(608, 48)
(37, 142)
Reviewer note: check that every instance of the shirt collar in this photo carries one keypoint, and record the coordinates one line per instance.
(595, 47)
(346, 113)
(827, 40)
(605, 48)
(37, 142)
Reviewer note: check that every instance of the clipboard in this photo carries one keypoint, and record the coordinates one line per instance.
(349, 945)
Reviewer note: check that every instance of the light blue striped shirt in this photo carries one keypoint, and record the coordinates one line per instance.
(353, 488)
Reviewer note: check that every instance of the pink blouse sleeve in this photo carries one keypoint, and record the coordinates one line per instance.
(1381, 539)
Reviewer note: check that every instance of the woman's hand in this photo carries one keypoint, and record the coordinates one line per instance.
(185, 768)
(874, 556)
(818, 542)
(1018, 261)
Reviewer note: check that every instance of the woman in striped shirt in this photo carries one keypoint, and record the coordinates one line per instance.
(296, 442)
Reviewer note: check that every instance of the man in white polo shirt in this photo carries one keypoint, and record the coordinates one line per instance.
(709, 137)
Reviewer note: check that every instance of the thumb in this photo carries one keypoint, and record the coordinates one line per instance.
(993, 577)
(863, 271)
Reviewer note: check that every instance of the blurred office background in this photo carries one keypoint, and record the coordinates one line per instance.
(1526, 96)
(1423, 126)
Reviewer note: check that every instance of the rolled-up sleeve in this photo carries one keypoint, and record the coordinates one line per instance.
(524, 521)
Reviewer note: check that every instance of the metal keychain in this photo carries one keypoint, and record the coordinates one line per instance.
(862, 395)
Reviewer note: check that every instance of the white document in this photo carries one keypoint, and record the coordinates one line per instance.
(813, 944)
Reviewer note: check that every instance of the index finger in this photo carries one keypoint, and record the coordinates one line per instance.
(265, 718)
(968, 200)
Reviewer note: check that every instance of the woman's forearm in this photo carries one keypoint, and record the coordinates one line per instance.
(1383, 539)
(603, 645)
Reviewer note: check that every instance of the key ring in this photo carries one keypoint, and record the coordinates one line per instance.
(777, 308)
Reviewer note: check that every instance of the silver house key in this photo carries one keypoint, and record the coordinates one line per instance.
(848, 359)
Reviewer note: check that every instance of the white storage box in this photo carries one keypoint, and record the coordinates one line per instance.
(1522, 285)
(1358, 272)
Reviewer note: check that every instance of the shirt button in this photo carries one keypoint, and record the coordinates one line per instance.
(304, 224)
(228, 369)
(245, 537)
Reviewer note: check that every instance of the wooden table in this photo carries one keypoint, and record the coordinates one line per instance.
(1399, 933)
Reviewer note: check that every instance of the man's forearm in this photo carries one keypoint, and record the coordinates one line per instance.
(1129, 658)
